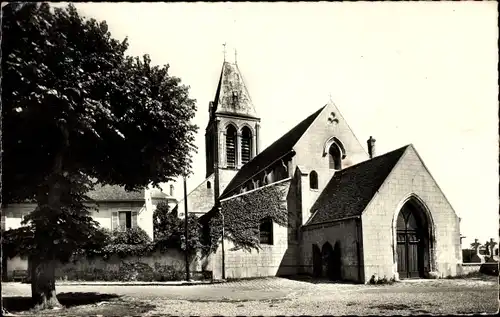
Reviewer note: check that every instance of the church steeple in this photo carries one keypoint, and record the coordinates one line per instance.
(232, 131)
(232, 96)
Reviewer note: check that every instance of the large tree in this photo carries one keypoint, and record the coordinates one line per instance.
(77, 111)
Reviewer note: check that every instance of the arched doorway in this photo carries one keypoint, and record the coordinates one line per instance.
(336, 263)
(317, 261)
(327, 260)
(413, 241)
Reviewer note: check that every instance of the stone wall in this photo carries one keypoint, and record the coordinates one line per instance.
(158, 266)
(346, 234)
(269, 261)
(310, 148)
(408, 177)
(470, 267)
(200, 200)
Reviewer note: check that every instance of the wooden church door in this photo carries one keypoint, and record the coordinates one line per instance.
(409, 245)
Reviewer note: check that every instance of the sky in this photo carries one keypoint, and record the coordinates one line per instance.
(422, 72)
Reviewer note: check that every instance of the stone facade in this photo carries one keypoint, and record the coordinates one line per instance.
(346, 234)
(410, 178)
(316, 156)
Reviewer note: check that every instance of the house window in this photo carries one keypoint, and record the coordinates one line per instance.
(209, 185)
(335, 157)
(122, 220)
(266, 231)
(246, 145)
(313, 180)
(231, 146)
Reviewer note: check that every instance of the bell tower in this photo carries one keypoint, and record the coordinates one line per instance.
(232, 133)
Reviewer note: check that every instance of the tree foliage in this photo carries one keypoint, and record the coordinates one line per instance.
(78, 111)
(169, 230)
(130, 242)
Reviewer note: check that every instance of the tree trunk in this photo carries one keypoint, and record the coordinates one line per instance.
(43, 284)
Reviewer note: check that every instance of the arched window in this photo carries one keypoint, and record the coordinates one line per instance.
(209, 185)
(335, 157)
(313, 180)
(231, 146)
(246, 145)
(171, 190)
(266, 231)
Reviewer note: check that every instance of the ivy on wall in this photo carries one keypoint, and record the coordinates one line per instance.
(243, 214)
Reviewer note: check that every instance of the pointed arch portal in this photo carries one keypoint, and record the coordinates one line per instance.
(413, 239)
(317, 261)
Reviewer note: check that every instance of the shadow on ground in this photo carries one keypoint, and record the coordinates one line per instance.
(315, 280)
(20, 303)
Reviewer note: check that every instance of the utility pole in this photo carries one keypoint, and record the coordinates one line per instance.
(217, 193)
(219, 209)
(186, 230)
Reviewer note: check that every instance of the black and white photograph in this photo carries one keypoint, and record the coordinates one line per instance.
(249, 158)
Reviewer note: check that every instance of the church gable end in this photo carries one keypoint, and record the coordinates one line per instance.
(410, 182)
(329, 144)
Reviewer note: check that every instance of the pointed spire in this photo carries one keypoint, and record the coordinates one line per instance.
(235, 57)
(224, 51)
(232, 95)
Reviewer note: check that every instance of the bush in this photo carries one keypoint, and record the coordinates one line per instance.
(489, 268)
(132, 236)
(384, 280)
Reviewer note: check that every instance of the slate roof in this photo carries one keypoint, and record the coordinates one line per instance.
(114, 193)
(157, 193)
(273, 152)
(350, 190)
(231, 81)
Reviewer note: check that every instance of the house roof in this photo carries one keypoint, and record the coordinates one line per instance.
(157, 193)
(350, 190)
(232, 96)
(273, 152)
(115, 193)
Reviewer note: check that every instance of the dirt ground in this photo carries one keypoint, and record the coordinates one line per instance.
(269, 297)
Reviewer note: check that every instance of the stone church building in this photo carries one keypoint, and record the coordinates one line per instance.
(353, 213)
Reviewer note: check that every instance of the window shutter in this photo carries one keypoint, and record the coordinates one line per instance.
(134, 219)
(114, 220)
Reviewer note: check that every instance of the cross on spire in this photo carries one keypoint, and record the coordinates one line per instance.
(224, 51)
(235, 56)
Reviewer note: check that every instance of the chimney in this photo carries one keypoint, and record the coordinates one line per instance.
(371, 147)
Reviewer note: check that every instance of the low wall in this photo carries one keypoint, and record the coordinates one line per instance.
(165, 266)
(470, 267)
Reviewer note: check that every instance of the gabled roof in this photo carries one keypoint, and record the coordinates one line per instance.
(231, 82)
(273, 152)
(157, 193)
(115, 193)
(350, 190)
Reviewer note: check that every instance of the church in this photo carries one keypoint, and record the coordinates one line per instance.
(353, 213)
